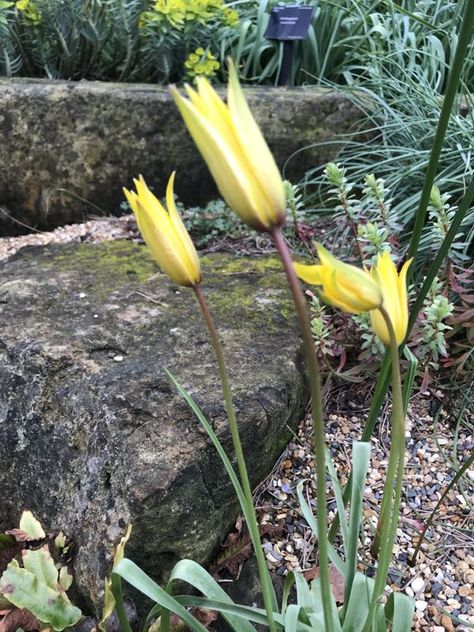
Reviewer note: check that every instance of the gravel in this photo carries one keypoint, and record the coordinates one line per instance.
(442, 579)
(92, 231)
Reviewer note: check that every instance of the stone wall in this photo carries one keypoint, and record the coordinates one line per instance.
(67, 148)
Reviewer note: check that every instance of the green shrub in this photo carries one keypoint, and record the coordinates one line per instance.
(150, 40)
(124, 40)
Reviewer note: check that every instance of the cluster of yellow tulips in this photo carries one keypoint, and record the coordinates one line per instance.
(243, 167)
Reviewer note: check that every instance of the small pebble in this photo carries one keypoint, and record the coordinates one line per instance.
(417, 585)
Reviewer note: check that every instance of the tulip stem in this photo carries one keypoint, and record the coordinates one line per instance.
(265, 580)
(388, 521)
(318, 420)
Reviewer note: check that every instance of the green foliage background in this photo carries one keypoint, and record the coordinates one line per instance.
(113, 40)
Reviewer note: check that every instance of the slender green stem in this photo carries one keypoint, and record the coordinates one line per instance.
(386, 499)
(267, 588)
(384, 375)
(318, 420)
(452, 86)
(116, 586)
(397, 455)
(376, 404)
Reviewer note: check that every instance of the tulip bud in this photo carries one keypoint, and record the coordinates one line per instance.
(235, 151)
(164, 233)
(395, 298)
(349, 288)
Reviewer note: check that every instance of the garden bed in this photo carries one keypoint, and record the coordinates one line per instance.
(438, 439)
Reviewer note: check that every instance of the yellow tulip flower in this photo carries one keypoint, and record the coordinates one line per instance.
(395, 298)
(235, 151)
(164, 233)
(340, 284)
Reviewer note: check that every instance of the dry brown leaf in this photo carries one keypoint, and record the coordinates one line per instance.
(335, 579)
(19, 618)
(205, 616)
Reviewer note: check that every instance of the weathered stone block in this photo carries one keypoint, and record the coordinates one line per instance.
(92, 434)
(65, 143)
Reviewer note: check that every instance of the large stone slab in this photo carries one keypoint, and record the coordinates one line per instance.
(92, 434)
(64, 143)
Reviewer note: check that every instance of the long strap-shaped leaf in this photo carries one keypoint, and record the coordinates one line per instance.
(224, 458)
(257, 615)
(309, 517)
(379, 394)
(134, 575)
(358, 607)
(338, 491)
(316, 613)
(360, 466)
(195, 575)
(399, 612)
(292, 617)
(215, 440)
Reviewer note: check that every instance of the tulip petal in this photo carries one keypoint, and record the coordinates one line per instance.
(149, 201)
(255, 147)
(308, 273)
(353, 289)
(160, 241)
(189, 253)
(395, 298)
(380, 326)
(235, 151)
(232, 180)
(131, 199)
(165, 234)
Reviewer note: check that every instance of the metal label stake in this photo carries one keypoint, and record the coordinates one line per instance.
(287, 24)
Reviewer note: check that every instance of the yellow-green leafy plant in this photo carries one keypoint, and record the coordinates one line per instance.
(176, 13)
(37, 585)
(176, 36)
(248, 179)
(29, 10)
(201, 63)
(110, 40)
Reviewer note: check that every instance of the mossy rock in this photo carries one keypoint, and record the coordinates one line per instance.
(92, 433)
